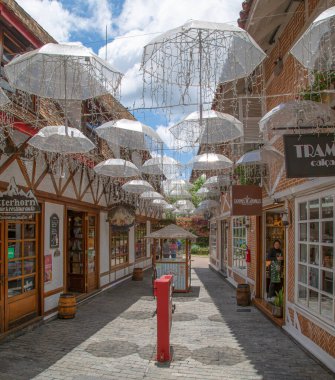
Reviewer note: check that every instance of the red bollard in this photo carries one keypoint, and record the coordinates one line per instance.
(163, 294)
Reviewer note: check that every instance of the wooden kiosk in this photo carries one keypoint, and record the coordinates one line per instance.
(173, 260)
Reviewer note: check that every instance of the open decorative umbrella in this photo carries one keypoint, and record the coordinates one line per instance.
(180, 194)
(315, 49)
(151, 195)
(266, 154)
(208, 193)
(55, 139)
(217, 128)
(172, 184)
(129, 133)
(209, 204)
(297, 116)
(116, 167)
(62, 71)
(159, 202)
(168, 207)
(4, 99)
(137, 186)
(217, 182)
(184, 205)
(210, 161)
(161, 165)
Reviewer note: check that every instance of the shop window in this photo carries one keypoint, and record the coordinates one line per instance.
(239, 243)
(315, 226)
(21, 253)
(140, 242)
(212, 240)
(119, 252)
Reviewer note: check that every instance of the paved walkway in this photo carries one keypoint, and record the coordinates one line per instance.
(113, 337)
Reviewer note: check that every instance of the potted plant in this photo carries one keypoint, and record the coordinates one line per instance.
(277, 308)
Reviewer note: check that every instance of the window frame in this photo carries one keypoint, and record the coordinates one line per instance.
(306, 264)
(140, 232)
(118, 236)
(243, 270)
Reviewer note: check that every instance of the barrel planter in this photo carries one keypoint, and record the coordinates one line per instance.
(67, 306)
(243, 295)
(138, 274)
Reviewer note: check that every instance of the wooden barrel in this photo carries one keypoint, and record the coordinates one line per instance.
(243, 295)
(138, 274)
(67, 306)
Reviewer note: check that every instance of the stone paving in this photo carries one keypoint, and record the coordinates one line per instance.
(113, 337)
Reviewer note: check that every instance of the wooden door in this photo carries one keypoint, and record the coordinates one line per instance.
(91, 253)
(2, 280)
(21, 271)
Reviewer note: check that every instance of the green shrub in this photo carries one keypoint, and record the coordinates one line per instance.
(195, 249)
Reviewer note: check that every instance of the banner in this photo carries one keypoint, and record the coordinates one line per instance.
(246, 200)
(309, 155)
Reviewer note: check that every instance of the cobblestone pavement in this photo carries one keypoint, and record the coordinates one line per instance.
(113, 337)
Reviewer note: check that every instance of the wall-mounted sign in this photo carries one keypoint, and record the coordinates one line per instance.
(309, 155)
(54, 231)
(47, 268)
(11, 253)
(121, 217)
(16, 203)
(246, 200)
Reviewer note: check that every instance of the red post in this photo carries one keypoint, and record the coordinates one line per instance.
(163, 293)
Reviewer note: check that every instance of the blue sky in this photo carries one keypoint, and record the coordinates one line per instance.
(130, 25)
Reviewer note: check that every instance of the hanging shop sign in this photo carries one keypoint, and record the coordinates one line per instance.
(246, 200)
(16, 203)
(54, 231)
(121, 217)
(309, 155)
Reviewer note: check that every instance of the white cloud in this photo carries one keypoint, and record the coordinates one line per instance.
(60, 23)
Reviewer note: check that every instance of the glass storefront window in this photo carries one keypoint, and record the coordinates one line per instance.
(239, 243)
(119, 253)
(315, 226)
(140, 242)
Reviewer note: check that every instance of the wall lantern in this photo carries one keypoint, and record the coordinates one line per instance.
(285, 218)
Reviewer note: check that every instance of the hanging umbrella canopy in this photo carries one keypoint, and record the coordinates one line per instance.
(297, 115)
(159, 202)
(184, 205)
(168, 207)
(151, 195)
(198, 52)
(129, 133)
(4, 99)
(62, 71)
(315, 49)
(215, 128)
(209, 204)
(217, 181)
(61, 139)
(137, 186)
(171, 232)
(205, 192)
(180, 193)
(161, 165)
(116, 167)
(172, 184)
(210, 161)
(266, 154)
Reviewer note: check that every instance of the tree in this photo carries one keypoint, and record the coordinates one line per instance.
(197, 184)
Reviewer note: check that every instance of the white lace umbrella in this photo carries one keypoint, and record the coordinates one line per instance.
(180, 194)
(168, 207)
(129, 133)
(197, 54)
(204, 192)
(137, 186)
(210, 161)
(217, 181)
(159, 202)
(265, 155)
(209, 204)
(172, 184)
(297, 116)
(4, 99)
(161, 165)
(62, 71)
(184, 205)
(151, 195)
(117, 168)
(216, 128)
(59, 139)
(315, 49)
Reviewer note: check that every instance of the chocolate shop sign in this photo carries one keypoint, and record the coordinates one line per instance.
(310, 155)
(246, 200)
(16, 203)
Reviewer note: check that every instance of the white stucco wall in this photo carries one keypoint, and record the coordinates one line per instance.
(132, 245)
(104, 243)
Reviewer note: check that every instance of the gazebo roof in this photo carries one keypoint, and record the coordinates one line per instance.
(171, 232)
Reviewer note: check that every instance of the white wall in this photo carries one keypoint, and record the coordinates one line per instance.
(104, 243)
(58, 260)
(132, 245)
(148, 240)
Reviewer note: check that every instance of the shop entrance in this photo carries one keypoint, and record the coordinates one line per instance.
(19, 300)
(81, 252)
(274, 254)
(224, 246)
